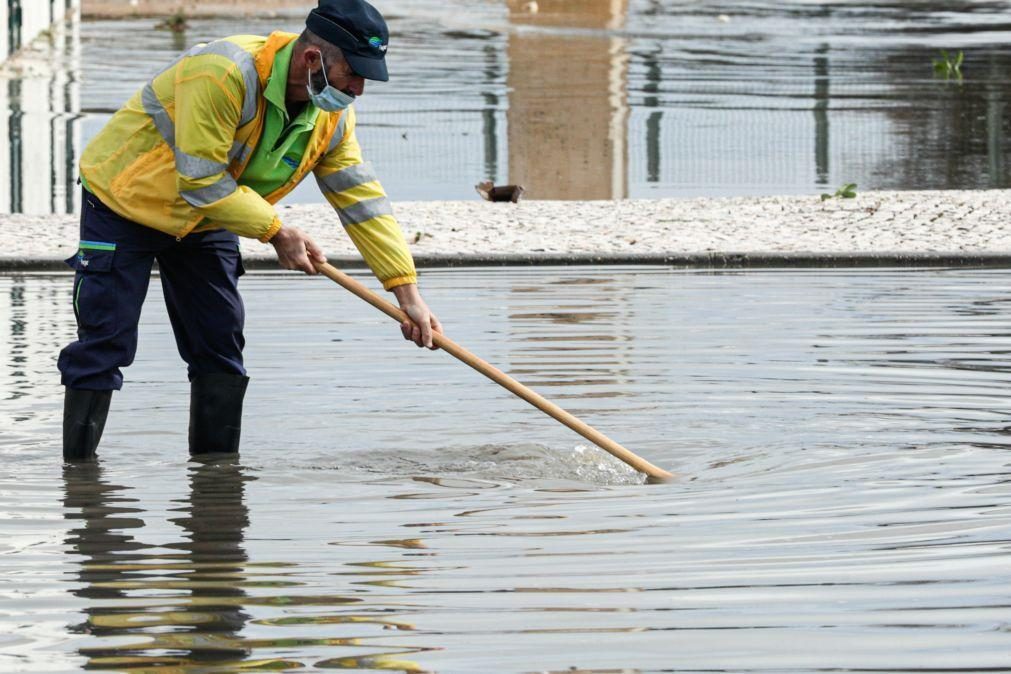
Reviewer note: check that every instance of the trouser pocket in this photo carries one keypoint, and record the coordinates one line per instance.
(94, 298)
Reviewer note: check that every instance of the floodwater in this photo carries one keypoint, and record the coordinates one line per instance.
(597, 99)
(844, 502)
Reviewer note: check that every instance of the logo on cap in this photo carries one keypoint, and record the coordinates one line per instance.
(377, 44)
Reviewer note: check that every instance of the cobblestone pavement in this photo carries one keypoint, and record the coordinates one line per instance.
(875, 224)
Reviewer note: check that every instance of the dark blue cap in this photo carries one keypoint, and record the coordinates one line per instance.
(359, 30)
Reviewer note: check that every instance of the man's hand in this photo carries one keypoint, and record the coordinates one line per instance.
(423, 322)
(295, 250)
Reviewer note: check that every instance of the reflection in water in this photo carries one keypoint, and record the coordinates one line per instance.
(195, 597)
(821, 123)
(489, 115)
(567, 102)
(32, 322)
(601, 310)
(39, 122)
(651, 88)
(185, 607)
(18, 343)
(22, 20)
(960, 136)
(843, 433)
(996, 121)
(594, 98)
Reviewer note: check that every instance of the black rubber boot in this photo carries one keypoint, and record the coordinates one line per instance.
(84, 414)
(216, 413)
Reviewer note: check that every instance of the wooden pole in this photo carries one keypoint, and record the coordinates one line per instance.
(501, 378)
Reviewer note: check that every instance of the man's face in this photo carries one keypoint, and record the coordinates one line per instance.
(338, 73)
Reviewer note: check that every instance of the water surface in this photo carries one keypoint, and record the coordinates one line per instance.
(842, 437)
(597, 99)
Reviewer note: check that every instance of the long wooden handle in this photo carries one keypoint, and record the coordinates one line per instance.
(501, 378)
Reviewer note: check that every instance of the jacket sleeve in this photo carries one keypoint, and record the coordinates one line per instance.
(209, 94)
(351, 187)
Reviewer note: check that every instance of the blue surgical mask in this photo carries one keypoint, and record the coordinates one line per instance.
(330, 99)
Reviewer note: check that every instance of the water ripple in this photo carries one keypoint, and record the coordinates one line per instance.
(845, 503)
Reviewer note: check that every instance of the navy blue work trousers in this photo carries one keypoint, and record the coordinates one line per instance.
(199, 276)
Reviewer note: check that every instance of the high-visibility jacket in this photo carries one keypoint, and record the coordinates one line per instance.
(171, 157)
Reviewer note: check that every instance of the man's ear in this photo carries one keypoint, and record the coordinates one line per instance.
(313, 60)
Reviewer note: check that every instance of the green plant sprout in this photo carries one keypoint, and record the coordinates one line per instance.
(847, 191)
(949, 66)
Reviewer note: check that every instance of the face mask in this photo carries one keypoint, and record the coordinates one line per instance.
(329, 99)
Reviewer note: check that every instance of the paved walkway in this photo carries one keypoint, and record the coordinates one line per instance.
(953, 227)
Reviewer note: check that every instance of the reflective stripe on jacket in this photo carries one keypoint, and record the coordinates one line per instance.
(170, 158)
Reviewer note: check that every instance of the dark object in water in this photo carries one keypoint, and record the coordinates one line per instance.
(492, 192)
(176, 23)
(84, 415)
(216, 413)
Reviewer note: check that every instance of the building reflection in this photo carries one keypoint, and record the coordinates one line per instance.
(40, 134)
(960, 140)
(821, 107)
(576, 333)
(188, 603)
(34, 325)
(996, 119)
(23, 20)
(568, 115)
(651, 100)
(489, 114)
(588, 99)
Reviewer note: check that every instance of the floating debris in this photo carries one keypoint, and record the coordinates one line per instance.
(491, 192)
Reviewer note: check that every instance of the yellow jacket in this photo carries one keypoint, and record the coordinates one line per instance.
(170, 158)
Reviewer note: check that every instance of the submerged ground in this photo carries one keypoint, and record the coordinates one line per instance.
(841, 435)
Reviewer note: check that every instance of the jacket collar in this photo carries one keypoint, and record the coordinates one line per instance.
(265, 57)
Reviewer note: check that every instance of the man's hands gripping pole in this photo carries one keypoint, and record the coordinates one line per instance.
(297, 251)
(423, 322)
(295, 248)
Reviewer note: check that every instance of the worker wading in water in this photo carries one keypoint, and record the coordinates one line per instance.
(196, 159)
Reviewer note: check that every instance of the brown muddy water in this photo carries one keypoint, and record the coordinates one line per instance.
(595, 99)
(845, 502)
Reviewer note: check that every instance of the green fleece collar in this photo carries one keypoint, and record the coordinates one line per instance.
(277, 85)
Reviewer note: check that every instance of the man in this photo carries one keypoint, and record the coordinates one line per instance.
(196, 159)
